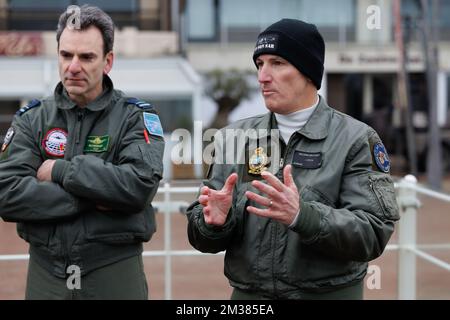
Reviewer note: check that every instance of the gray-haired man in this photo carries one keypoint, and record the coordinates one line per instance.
(79, 170)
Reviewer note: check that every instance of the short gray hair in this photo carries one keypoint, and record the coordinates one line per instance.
(90, 16)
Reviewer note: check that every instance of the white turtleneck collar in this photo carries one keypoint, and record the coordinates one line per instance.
(289, 123)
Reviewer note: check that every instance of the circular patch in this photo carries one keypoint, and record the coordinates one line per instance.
(8, 137)
(55, 142)
(381, 157)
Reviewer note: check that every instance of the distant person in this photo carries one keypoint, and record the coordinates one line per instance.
(78, 171)
(304, 227)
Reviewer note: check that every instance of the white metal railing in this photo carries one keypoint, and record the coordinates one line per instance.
(407, 246)
(407, 240)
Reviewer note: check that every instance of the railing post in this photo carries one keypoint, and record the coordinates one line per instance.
(408, 204)
(167, 244)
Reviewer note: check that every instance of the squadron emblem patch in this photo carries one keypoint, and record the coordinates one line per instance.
(258, 162)
(54, 142)
(381, 157)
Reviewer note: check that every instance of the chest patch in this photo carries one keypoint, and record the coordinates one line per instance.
(54, 142)
(97, 144)
(307, 160)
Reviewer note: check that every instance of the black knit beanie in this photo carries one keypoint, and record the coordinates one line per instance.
(298, 42)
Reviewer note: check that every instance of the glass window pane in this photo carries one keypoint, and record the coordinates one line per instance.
(201, 19)
(59, 5)
(174, 114)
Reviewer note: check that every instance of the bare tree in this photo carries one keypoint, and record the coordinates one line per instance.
(227, 88)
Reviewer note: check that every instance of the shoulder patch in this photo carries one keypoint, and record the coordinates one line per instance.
(153, 124)
(32, 104)
(8, 137)
(381, 157)
(139, 103)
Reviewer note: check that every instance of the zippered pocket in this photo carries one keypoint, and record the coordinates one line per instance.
(382, 188)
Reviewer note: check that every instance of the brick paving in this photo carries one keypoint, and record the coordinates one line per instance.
(202, 277)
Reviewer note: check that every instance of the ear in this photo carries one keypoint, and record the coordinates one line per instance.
(109, 62)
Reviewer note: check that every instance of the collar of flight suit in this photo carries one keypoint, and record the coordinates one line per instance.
(63, 100)
(316, 128)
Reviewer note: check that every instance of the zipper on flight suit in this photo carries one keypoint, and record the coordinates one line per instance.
(80, 116)
(74, 151)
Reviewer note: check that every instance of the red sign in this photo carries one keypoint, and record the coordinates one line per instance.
(20, 43)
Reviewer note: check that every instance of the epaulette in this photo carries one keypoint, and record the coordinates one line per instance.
(32, 104)
(139, 103)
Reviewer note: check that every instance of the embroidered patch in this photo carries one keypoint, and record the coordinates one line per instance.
(96, 144)
(153, 124)
(258, 162)
(381, 157)
(266, 43)
(8, 137)
(54, 142)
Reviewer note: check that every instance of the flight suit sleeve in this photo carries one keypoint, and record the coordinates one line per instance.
(362, 225)
(126, 185)
(24, 198)
(204, 237)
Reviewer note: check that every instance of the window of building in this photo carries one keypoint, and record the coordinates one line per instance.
(202, 20)
(174, 114)
(44, 14)
(241, 21)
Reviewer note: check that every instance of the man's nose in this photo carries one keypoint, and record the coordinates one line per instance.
(75, 66)
(264, 74)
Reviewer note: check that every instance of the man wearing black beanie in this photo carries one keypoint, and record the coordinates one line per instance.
(303, 222)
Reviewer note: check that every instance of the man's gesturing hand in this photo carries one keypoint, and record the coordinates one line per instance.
(282, 200)
(217, 203)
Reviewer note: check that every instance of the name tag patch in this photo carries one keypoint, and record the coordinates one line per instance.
(307, 160)
(96, 144)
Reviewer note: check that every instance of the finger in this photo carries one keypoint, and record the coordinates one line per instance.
(229, 183)
(258, 212)
(287, 175)
(258, 199)
(265, 188)
(204, 191)
(206, 212)
(203, 200)
(272, 180)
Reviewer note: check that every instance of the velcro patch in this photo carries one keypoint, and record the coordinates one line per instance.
(96, 144)
(153, 124)
(381, 157)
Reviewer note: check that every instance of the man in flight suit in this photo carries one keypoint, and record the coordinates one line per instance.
(303, 224)
(78, 172)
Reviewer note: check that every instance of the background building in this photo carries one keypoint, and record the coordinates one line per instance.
(163, 47)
